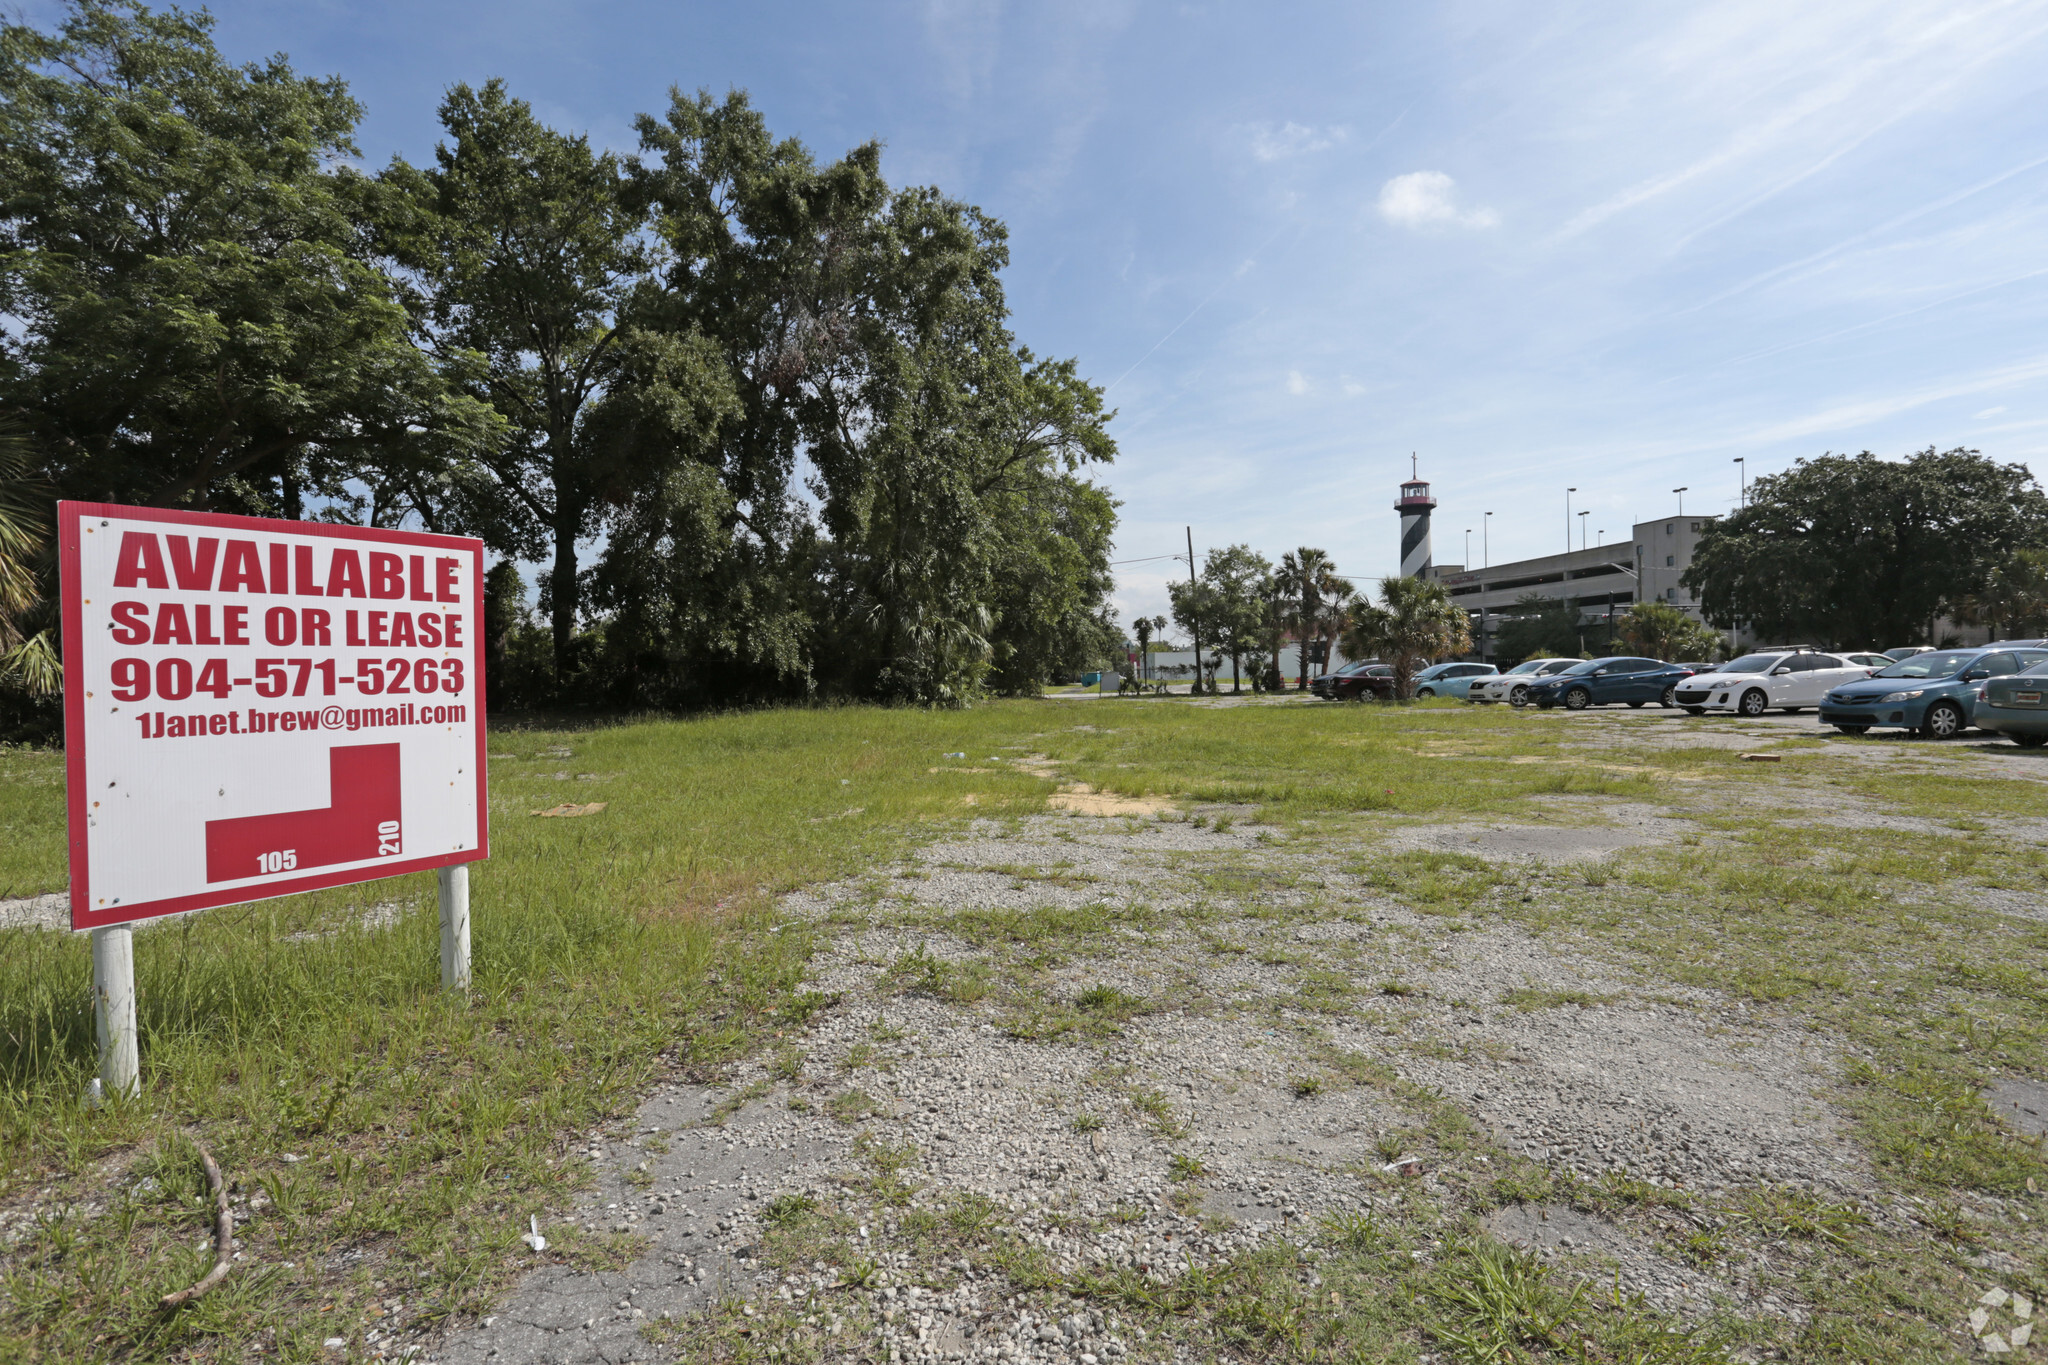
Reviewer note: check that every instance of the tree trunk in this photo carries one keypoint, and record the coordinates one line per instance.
(1301, 645)
(563, 590)
(1236, 681)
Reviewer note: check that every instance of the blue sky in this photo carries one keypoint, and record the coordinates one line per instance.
(1610, 246)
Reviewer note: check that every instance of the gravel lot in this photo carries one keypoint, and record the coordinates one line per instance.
(1216, 1112)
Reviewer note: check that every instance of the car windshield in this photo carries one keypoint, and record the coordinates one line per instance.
(1585, 666)
(1348, 669)
(1529, 667)
(1750, 663)
(2039, 670)
(1939, 664)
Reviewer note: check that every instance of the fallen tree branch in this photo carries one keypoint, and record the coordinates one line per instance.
(223, 1237)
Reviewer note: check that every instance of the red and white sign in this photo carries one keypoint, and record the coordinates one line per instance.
(256, 707)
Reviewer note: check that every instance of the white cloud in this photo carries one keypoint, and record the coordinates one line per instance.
(1425, 199)
(1297, 383)
(1989, 412)
(1278, 143)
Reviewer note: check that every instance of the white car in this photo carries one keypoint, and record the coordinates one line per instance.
(1870, 660)
(1771, 679)
(1513, 686)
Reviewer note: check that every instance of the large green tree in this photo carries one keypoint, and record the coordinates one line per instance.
(1858, 551)
(522, 245)
(199, 318)
(899, 492)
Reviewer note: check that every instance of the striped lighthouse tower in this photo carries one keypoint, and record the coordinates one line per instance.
(1414, 507)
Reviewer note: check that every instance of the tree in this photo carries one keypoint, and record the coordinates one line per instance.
(1854, 550)
(1540, 627)
(523, 245)
(1662, 631)
(2014, 598)
(1309, 576)
(28, 652)
(1236, 577)
(199, 320)
(864, 331)
(1413, 623)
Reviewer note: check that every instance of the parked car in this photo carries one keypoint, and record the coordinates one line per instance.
(1366, 677)
(1513, 686)
(1603, 682)
(1320, 685)
(1871, 661)
(1696, 666)
(1934, 691)
(1907, 652)
(2016, 706)
(1451, 680)
(1785, 679)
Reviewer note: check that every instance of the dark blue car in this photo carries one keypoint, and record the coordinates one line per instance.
(1603, 682)
(1934, 692)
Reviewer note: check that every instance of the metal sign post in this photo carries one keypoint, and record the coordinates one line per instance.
(113, 999)
(257, 707)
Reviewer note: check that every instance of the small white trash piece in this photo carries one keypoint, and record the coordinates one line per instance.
(533, 1237)
(95, 1094)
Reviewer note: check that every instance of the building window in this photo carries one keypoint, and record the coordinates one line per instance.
(1695, 526)
(1670, 528)
(1670, 594)
(1670, 561)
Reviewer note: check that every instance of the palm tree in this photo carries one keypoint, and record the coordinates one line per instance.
(1309, 577)
(28, 655)
(1143, 628)
(1414, 623)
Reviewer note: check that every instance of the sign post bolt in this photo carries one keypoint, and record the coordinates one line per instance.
(113, 998)
(454, 928)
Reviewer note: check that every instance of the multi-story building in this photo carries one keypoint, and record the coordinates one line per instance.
(1605, 581)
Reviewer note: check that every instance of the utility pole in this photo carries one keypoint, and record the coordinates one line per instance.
(1193, 620)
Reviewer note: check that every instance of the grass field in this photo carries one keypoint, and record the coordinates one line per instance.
(383, 1132)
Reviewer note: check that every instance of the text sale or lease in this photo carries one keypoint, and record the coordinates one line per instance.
(256, 707)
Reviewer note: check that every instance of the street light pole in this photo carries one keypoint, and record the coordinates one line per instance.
(1193, 620)
(1568, 519)
(1742, 481)
(1582, 530)
(1468, 549)
(1485, 549)
(1681, 499)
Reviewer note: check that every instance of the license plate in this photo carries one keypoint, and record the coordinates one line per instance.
(2030, 698)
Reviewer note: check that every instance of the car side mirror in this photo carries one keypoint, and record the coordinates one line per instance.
(1974, 674)
(1780, 671)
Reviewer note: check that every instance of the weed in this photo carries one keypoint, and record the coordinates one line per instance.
(1307, 1087)
(786, 1209)
(1087, 1123)
(1181, 1168)
(1349, 1230)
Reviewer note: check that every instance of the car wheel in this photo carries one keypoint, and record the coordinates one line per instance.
(1854, 729)
(1519, 697)
(1425, 692)
(1944, 721)
(1578, 699)
(1696, 710)
(1635, 706)
(1670, 697)
(1753, 703)
(2030, 741)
